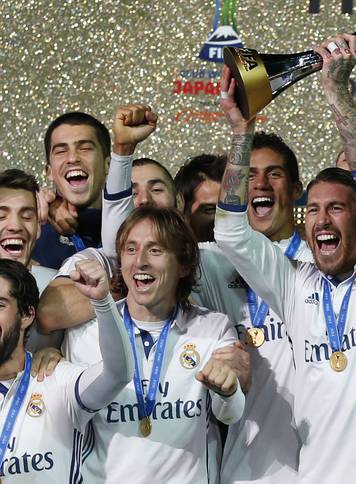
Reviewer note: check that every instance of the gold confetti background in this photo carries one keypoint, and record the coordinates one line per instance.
(90, 55)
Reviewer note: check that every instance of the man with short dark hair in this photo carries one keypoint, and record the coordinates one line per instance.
(132, 124)
(19, 230)
(19, 222)
(198, 184)
(77, 151)
(152, 183)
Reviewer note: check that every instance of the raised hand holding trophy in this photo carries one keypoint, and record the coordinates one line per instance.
(261, 77)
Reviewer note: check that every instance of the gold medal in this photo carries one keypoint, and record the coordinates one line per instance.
(255, 337)
(145, 426)
(338, 361)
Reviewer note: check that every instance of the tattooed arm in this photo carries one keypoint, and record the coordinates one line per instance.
(234, 185)
(337, 67)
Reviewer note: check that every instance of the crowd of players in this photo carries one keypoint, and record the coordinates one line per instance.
(192, 353)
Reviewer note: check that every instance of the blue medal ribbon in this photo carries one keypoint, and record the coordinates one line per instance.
(15, 407)
(258, 313)
(145, 406)
(335, 330)
(78, 242)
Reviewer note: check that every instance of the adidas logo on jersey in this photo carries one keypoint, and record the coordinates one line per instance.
(313, 299)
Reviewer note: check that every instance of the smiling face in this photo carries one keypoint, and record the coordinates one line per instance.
(12, 325)
(271, 195)
(150, 185)
(77, 164)
(330, 223)
(201, 214)
(19, 224)
(151, 273)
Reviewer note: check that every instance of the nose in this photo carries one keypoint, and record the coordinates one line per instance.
(260, 181)
(323, 218)
(73, 155)
(13, 223)
(141, 259)
(143, 197)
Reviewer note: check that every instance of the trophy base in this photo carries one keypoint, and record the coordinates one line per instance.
(253, 91)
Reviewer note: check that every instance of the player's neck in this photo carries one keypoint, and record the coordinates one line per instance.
(160, 312)
(13, 365)
(284, 233)
(96, 203)
(342, 276)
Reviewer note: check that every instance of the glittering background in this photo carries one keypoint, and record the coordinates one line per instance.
(91, 55)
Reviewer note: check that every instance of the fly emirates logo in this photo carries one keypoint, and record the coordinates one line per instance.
(314, 353)
(26, 463)
(163, 410)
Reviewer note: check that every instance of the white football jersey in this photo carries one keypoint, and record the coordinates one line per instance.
(47, 439)
(176, 451)
(324, 401)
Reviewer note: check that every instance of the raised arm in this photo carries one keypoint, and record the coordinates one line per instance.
(62, 305)
(339, 58)
(101, 382)
(132, 124)
(262, 264)
(234, 184)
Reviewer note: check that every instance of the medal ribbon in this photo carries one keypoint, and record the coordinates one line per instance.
(335, 330)
(78, 242)
(145, 407)
(258, 313)
(15, 407)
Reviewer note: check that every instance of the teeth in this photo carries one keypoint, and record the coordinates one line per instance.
(75, 173)
(262, 199)
(143, 277)
(7, 242)
(322, 237)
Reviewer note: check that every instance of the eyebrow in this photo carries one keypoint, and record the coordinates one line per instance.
(22, 209)
(152, 182)
(331, 202)
(77, 143)
(150, 243)
(270, 168)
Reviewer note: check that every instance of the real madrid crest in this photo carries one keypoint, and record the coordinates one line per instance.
(190, 357)
(36, 406)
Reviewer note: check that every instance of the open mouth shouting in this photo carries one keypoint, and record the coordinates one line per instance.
(77, 179)
(327, 243)
(13, 247)
(143, 281)
(262, 206)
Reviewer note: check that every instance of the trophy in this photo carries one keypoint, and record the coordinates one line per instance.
(261, 77)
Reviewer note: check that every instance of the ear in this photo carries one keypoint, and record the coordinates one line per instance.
(27, 319)
(49, 172)
(106, 165)
(180, 202)
(38, 235)
(297, 190)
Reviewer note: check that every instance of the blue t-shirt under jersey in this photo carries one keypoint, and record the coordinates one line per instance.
(52, 249)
